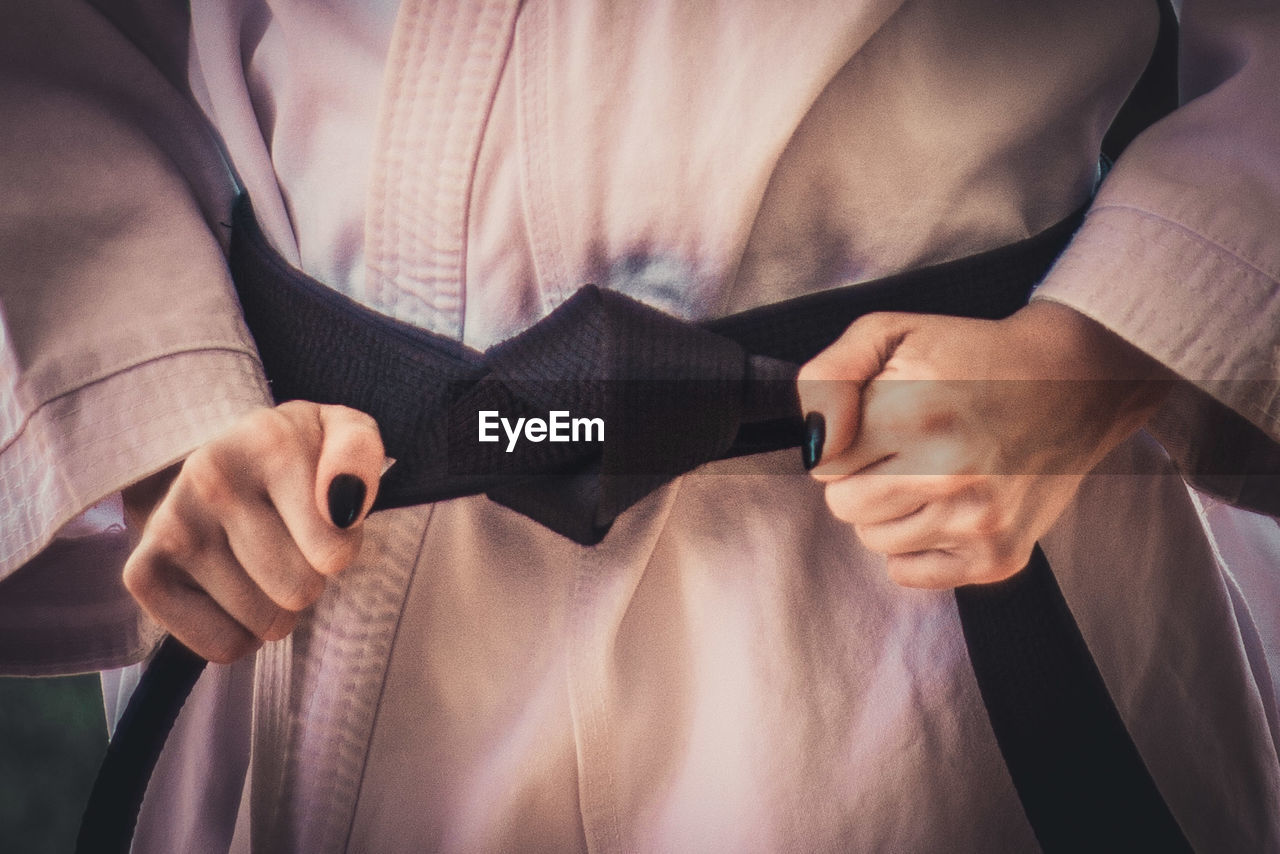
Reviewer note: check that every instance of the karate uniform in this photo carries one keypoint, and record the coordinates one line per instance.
(730, 669)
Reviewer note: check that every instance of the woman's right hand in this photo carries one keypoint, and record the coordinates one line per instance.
(252, 524)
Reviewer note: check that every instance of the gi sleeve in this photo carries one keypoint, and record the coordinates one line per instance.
(121, 342)
(1180, 252)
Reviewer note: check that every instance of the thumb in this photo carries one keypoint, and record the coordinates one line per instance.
(830, 386)
(350, 465)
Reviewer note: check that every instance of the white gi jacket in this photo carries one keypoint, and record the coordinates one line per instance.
(729, 670)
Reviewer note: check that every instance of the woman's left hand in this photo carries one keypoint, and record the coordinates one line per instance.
(952, 445)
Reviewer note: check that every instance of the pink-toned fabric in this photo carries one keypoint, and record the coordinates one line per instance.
(120, 347)
(729, 670)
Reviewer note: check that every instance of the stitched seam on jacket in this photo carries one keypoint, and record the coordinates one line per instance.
(115, 370)
(1221, 246)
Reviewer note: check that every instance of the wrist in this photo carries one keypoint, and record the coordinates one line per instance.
(1078, 347)
(1115, 387)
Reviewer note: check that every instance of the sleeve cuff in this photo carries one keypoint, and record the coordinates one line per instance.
(90, 442)
(1187, 301)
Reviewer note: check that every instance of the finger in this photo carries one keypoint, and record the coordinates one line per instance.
(277, 451)
(225, 581)
(831, 383)
(879, 438)
(879, 494)
(185, 548)
(911, 427)
(924, 530)
(928, 570)
(966, 564)
(262, 545)
(187, 612)
(206, 629)
(350, 465)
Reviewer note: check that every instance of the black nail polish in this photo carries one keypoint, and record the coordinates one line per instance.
(815, 434)
(346, 499)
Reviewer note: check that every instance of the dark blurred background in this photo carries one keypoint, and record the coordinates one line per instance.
(52, 737)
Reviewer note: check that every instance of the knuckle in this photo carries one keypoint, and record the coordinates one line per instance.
(873, 324)
(818, 381)
(840, 506)
(963, 486)
(364, 443)
(302, 592)
(215, 649)
(335, 553)
(269, 432)
(228, 648)
(281, 625)
(140, 576)
(937, 417)
(277, 460)
(272, 619)
(299, 409)
(870, 539)
(360, 419)
(900, 411)
(984, 526)
(900, 572)
(206, 477)
(991, 525)
(935, 486)
(169, 538)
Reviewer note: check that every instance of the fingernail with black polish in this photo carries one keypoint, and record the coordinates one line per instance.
(346, 499)
(815, 434)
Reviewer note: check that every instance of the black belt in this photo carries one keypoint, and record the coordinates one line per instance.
(672, 395)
